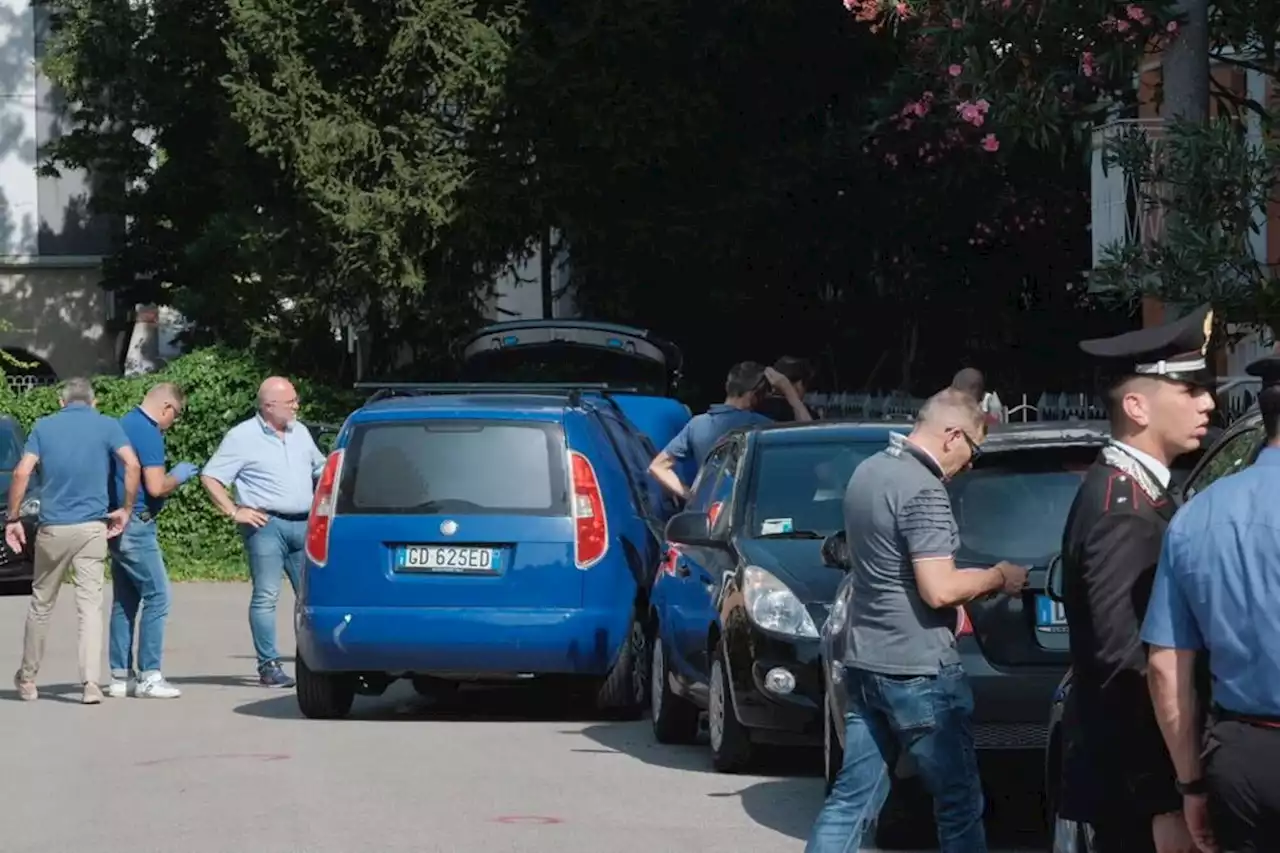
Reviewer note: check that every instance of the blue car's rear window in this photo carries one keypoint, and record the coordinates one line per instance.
(457, 467)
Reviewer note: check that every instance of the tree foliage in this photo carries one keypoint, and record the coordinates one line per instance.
(742, 178)
(281, 165)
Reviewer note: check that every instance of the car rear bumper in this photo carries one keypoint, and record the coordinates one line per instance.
(474, 640)
(1011, 705)
(17, 570)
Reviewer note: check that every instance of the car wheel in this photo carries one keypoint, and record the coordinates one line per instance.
(730, 740)
(322, 695)
(626, 690)
(832, 751)
(675, 719)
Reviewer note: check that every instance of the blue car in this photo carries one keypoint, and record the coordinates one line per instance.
(480, 532)
(743, 591)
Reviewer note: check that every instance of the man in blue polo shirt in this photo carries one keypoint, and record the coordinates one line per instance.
(744, 388)
(272, 462)
(1217, 593)
(138, 577)
(73, 449)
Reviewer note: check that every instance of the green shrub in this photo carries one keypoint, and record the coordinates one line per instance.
(221, 387)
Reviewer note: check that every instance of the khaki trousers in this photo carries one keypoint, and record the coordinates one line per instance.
(83, 549)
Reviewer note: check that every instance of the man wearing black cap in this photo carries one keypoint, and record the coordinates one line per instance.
(1117, 774)
(1217, 590)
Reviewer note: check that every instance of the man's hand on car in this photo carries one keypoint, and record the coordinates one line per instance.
(1015, 577)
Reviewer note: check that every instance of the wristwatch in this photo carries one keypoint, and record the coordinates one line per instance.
(1194, 788)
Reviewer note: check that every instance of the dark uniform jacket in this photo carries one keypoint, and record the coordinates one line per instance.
(1114, 756)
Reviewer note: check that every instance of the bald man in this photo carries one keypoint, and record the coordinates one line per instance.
(139, 580)
(272, 462)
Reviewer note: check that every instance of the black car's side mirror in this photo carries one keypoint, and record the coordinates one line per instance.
(1053, 579)
(690, 528)
(835, 552)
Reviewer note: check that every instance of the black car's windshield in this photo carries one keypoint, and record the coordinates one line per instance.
(799, 488)
(1014, 505)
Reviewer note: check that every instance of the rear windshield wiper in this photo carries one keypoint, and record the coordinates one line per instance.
(793, 534)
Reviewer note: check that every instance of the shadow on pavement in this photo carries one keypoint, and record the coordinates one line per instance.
(69, 693)
(1014, 785)
(473, 704)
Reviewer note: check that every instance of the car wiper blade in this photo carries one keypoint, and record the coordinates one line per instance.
(793, 534)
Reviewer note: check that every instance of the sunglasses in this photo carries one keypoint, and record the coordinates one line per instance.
(974, 450)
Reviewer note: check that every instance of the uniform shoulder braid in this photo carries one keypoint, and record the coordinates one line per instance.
(1129, 485)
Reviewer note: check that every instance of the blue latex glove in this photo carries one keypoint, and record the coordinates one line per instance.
(184, 471)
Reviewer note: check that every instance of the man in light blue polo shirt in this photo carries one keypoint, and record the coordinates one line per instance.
(139, 580)
(272, 462)
(744, 388)
(73, 449)
(1217, 592)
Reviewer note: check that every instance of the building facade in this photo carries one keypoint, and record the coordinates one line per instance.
(51, 245)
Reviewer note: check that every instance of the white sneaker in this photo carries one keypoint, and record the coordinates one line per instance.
(120, 687)
(153, 686)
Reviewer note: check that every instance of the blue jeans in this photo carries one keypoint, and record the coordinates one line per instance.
(275, 551)
(927, 717)
(138, 580)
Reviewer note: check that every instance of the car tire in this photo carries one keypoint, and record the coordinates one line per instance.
(731, 750)
(321, 695)
(625, 691)
(675, 719)
(832, 751)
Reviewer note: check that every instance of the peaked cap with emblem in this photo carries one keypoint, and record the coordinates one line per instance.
(1176, 351)
(1267, 369)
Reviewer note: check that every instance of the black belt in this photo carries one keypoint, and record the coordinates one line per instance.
(1259, 721)
(288, 516)
(145, 515)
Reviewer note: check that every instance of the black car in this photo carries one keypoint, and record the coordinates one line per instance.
(1011, 506)
(1232, 450)
(737, 606)
(16, 567)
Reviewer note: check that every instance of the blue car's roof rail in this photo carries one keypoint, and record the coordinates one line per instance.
(574, 390)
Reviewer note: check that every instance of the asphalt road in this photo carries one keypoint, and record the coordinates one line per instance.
(231, 766)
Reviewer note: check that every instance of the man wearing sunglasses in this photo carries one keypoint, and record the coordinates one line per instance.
(902, 672)
(1116, 772)
(139, 580)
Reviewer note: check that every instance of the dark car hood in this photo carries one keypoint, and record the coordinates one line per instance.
(797, 563)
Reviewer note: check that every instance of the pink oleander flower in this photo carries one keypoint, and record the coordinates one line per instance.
(1086, 64)
(1171, 27)
(990, 144)
(957, 24)
(955, 70)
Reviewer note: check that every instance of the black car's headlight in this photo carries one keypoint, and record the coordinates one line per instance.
(31, 506)
(773, 606)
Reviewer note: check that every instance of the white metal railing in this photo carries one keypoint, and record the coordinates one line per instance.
(1120, 212)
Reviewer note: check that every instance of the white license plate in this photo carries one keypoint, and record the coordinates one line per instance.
(448, 558)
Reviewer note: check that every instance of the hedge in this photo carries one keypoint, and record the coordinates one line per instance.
(221, 386)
